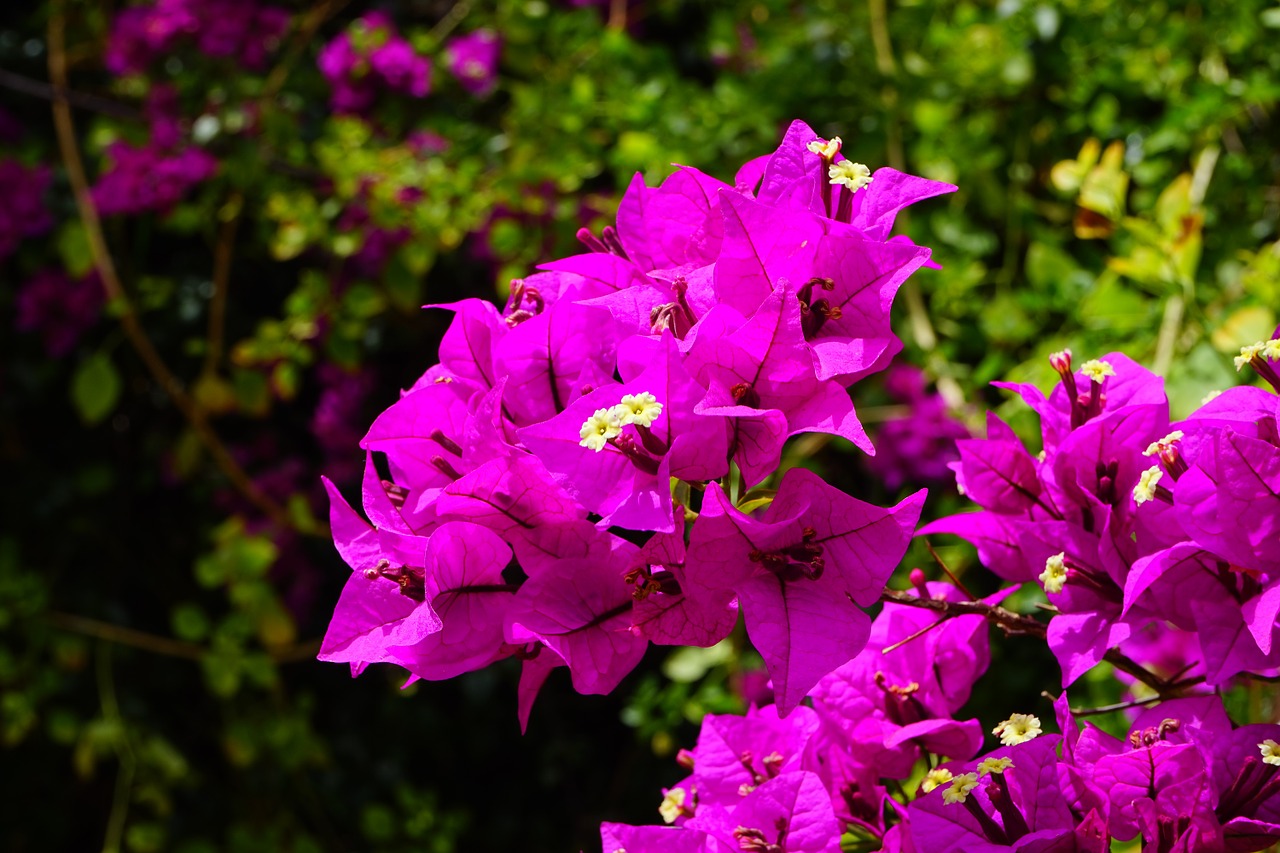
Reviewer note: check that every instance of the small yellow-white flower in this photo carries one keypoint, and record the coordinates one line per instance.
(599, 428)
(1248, 354)
(640, 409)
(672, 805)
(1054, 576)
(853, 175)
(1154, 447)
(1146, 488)
(1204, 401)
(1270, 751)
(1097, 370)
(994, 765)
(1271, 349)
(935, 777)
(826, 150)
(1019, 728)
(960, 787)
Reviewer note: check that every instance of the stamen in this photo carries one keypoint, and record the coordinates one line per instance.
(444, 441)
(745, 395)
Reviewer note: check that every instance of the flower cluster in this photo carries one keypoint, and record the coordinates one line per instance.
(473, 59)
(919, 446)
(241, 29)
(609, 396)
(60, 308)
(368, 57)
(878, 762)
(24, 213)
(1131, 523)
(141, 178)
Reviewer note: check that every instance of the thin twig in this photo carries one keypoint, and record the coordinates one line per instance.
(167, 646)
(305, 34)
(124, 752)
(123, 636)
(1007, 620)
(41, 89)
(915, 635)
(954, 578)
(1014, 623)
(222, 252)
(116, 296)
(449, 21)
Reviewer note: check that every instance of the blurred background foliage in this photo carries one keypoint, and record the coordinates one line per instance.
(164, 571)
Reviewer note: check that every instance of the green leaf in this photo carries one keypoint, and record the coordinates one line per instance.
(95, 388)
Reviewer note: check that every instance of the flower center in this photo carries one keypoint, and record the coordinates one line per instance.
(803, 560)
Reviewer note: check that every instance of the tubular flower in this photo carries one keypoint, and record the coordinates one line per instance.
(1054, 576)
(960, 787)
(847, 173)
(640, 409)
(1097, 370)
(1147, 484)
(934, 778)
(994, 765)
(1019, 728)
(599, 428)
(1270, 752)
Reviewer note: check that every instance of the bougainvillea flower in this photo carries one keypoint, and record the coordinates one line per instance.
(552, 358)
(845, 284)
(735, 754)
(763, 368)
(1228, 501)
(802, 571)
(463, 581)
(384, 604)
(1013, 802)
(621, 838)
(580, 608)
(627, 479)
(473, 59)
(674, 224)
(796, 176)
(890, 704)
(669, 610)
(791, 812)
(518, 500)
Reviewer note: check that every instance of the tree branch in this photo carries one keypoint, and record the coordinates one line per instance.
(124, 308)
(1015, 623)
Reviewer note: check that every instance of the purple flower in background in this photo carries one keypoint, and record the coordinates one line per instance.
(920, 446)
(143, 178)
(473, 59)
(803, 570)
(59, 307)
(23, 213)
(370, 56)
(242, 29)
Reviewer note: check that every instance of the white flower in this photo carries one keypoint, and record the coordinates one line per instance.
(1054, 576)
(853, 175)
(1019, 728)
(826, 150)
(599, 428)
(960, 788)
(1146, 488)
(1097, 370)
(640, 409)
